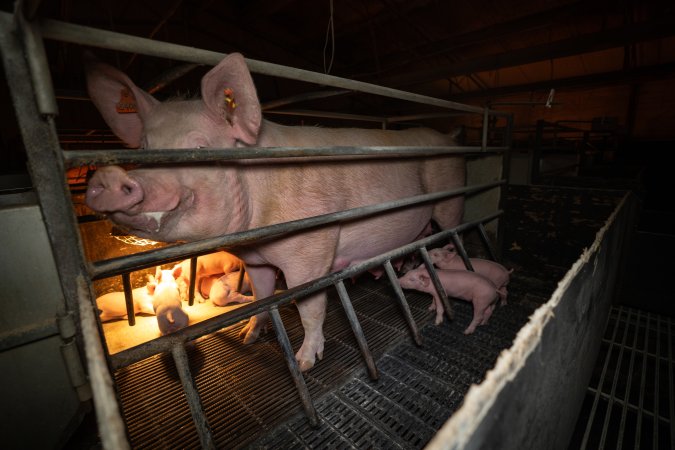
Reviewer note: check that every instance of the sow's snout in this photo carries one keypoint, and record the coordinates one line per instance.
(111, 189)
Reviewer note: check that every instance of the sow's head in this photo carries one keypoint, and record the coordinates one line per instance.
(161, 203)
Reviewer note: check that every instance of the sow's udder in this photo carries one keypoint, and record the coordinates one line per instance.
(134, 203)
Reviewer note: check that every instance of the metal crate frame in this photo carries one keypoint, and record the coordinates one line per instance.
(21, 42)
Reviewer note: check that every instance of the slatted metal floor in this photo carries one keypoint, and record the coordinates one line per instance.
(630, 402)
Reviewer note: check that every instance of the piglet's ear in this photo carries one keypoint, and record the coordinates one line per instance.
(177, 271)
(123, 105)
(230, 96)
(425, 280)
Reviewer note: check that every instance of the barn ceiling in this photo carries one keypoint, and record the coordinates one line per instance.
(478, 52)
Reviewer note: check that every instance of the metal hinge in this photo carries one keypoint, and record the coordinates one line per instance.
(71, 356)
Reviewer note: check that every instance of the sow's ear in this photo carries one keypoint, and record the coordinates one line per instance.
(123, 105)
(230, 95)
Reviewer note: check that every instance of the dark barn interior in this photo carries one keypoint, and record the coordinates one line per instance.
(584, 348)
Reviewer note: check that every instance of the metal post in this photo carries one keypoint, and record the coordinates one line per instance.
(356, 328)
(46, 167)
(298, 379)
(129, 299)
(193, 280)
(403, 302)
(459, 246)
(486, 240)
(437, 283)
(180, 358)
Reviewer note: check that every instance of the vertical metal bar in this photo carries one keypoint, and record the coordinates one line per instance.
(657, 362)
(193, 280)
(437, 283)
(459, 246)
(486, 240)
(180, 358)
(129, 299)
(299, 381)
(45, 164)
(629, 382)
(643, 376)
(242, 274)
(486, 121)
(536, 152)
(671, 383)
(611, 398)
(37, 65)
(598, 391)
(356, 328)
(402, 301)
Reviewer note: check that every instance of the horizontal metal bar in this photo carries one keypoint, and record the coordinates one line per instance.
(327, 115)
(78, 34)
(165, 343)
(267, 106)
(74, 158)
(143, 260)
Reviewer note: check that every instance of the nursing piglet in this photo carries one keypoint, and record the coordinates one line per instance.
(207, 265)
(461, 284)
(445, 258)
(166, 301)
(223, 290)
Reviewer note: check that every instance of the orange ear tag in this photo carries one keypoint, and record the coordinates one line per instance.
(127, 103)
(230, 104)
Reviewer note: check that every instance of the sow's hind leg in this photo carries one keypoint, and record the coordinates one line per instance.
(442, 174)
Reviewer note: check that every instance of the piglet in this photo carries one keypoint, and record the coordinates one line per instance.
(216, 263)
(461, 284)
(222, 290)
(166, 301)
(446, 258)
(113, 306)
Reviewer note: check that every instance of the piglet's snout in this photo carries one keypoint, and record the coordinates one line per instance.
(111, 189)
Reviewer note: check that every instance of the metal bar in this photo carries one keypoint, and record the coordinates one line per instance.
(486, 240)
(402, 301)
(180, 358)
(612, 398)
(298, 379)
(164, 343)
(268, 106)
(440, 290)
(356, 328)
(643, 382)
(46, 168)
(75, 158)
(629, 381)
(326, 115)
(78, 34)
(671, 383)
(584, 441)
(459, 246)
(129, 299)
(142, 260)
(37, 65)
(193, 280)
(240, 278)
(657, 362)
(485, 130)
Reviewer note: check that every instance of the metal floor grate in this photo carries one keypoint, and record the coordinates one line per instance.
(630, 402)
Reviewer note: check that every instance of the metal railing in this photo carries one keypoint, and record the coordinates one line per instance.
(34, 102)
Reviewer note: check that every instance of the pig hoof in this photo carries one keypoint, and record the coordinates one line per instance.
(305, 365)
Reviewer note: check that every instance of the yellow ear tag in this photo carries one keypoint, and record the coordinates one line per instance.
(230, 104)
(127, 103)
